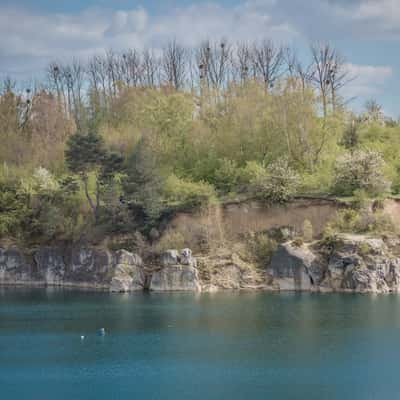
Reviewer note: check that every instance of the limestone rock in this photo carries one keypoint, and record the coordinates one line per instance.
(14, 268)
(186, 258)
(225, 270)
(51, 266)
(128, 273)
(175, 278)
(169, 257)
(294, 268)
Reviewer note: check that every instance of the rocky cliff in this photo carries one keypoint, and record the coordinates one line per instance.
(347, 263)
(94, 268)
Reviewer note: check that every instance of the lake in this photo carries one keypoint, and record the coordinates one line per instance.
(209, 346)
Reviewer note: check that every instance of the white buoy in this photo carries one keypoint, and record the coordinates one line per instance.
(101, 331)
(82, 337)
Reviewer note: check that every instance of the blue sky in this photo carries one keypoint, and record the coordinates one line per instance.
(367, 32)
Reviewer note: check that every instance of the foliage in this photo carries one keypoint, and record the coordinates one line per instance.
(261, 247)
(298, 242)
(170, 240)
(362, 221)
(13, 207)
(86, 155)
(226, 176)
(276, 184)
(182, 194)
(364, 169)
(127, 154)
(143, 185)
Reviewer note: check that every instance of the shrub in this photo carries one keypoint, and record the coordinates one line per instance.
(261, 248)
(329, 235)
(252, 173)
(13, 207)
(298, 242)
(276, 184)
(171, 240)
(361, 170)
(347, 220)
(226, 176)
(361, 199)
(183, 194)
(363, 221)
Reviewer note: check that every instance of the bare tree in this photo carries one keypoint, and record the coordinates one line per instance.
(329, 74)
(150, 69)
(268, 61)
(213, 60)
(174, 65)
(241, 62)
(131, 68)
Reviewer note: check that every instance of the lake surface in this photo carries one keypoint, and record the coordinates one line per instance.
(209, 346)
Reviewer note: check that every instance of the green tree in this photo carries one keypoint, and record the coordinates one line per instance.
(143, 186)
(86, 155)
(351, 139)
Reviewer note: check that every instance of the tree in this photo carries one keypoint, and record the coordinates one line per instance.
(373, 112)
(174, 60)
(86, 155)
(351, 138)
(268, 61)
(143, 185)
(362, 170)
(329, 75)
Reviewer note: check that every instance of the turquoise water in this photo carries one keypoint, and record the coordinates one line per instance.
(210, 346)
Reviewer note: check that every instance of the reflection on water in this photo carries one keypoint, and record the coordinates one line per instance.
(184, 346)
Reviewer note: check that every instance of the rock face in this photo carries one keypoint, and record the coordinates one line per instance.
(128, 273)
(293, 268)
(347, 263)
(350, 263)
(226, 270)
(94, 268)
(178, 272)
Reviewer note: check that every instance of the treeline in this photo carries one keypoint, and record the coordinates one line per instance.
(121, 143)
(211, 66)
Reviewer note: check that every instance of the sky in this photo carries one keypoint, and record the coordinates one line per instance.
(366, 33)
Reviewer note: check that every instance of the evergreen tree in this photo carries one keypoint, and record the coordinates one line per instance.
(144, 183)
(85, 155)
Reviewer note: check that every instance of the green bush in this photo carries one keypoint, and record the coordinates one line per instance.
(347, 220)
(183, 194)
(363, 169)
(13, 208)
(361, 199)
(363, 221)
(226, 176)
(261, 247)
(170, 240)
(276, 184)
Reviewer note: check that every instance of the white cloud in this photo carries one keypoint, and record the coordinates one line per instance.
(374, 18)
(55, 36)
(368, 80)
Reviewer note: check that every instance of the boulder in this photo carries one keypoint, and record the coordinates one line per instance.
(177, 272)
(294, 268)
(169, 257)
(175, 278)
(226, 270)
(128, 273)
(186, 258)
